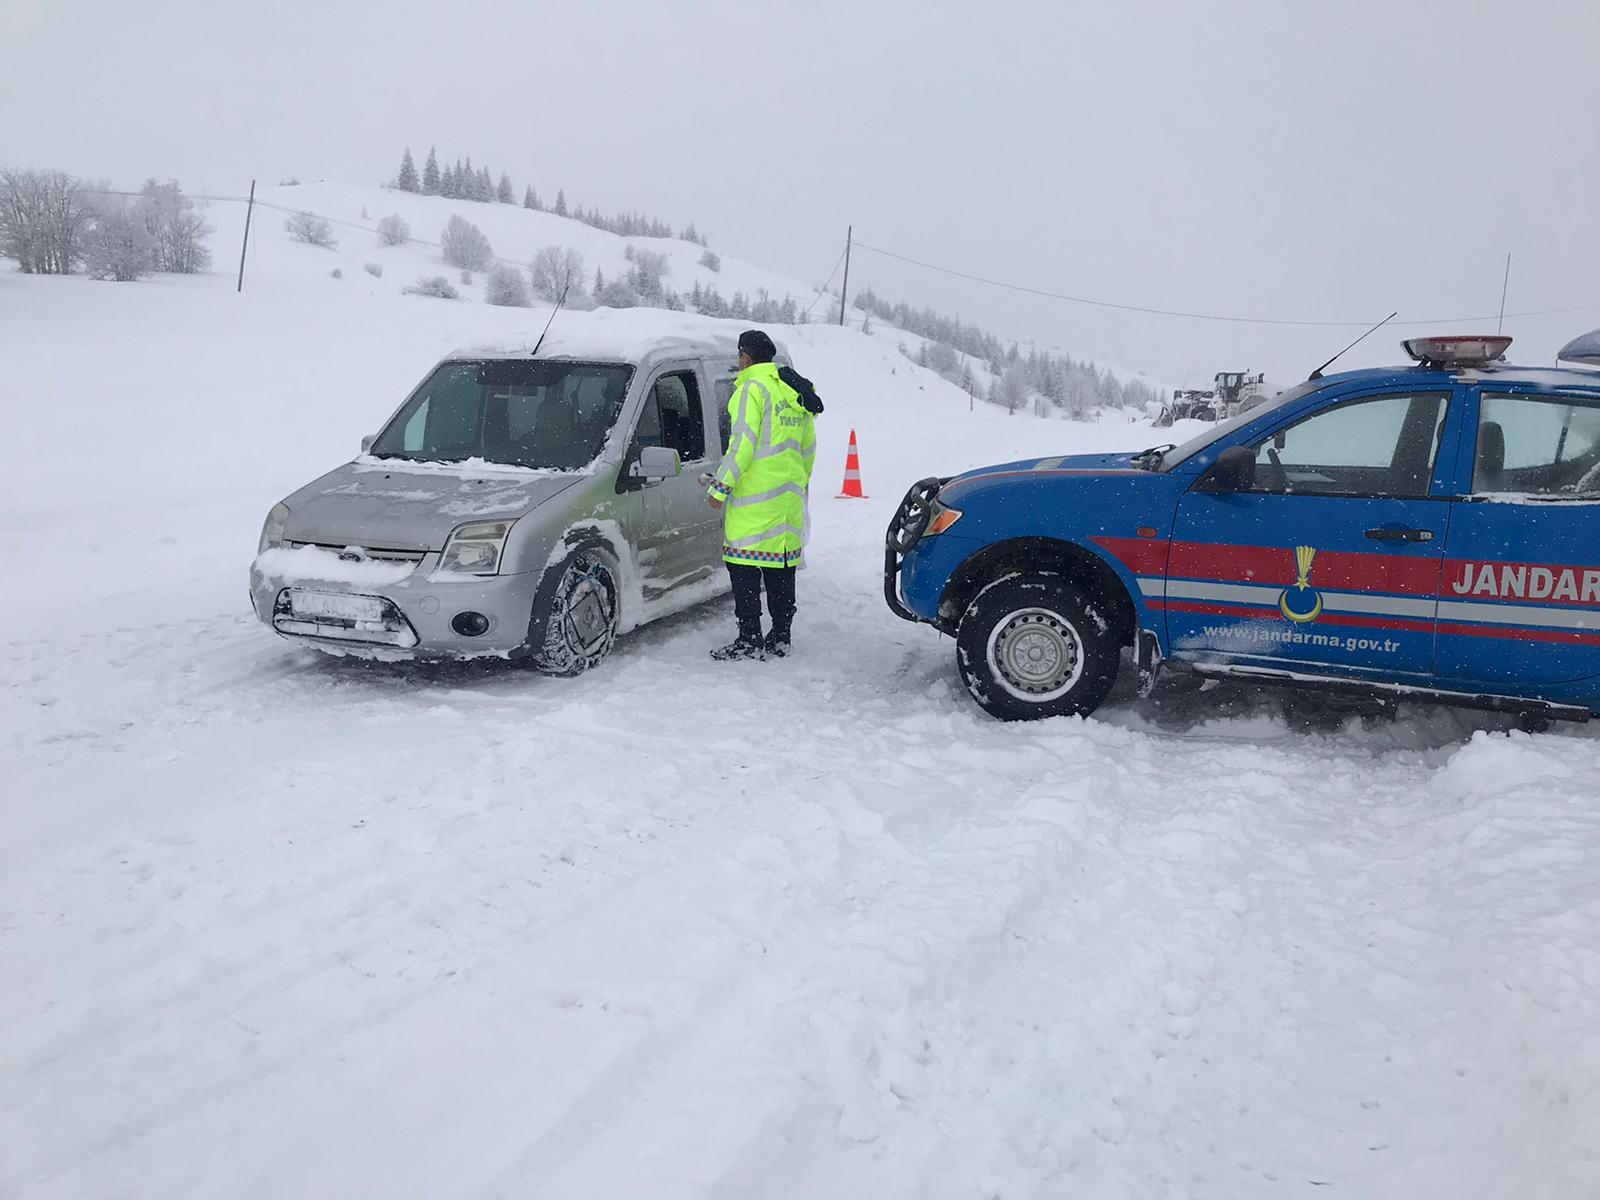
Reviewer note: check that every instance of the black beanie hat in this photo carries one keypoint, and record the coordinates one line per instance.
(757, 345)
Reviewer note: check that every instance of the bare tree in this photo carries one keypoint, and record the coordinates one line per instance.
(465, 245)
(311, 229)
(43, 216)
(555, 270)
(117, 245)
(177, 231)
(393, 230)
(505, 287)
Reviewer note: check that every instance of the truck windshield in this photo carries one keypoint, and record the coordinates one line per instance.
(522, 413)
(1223, 428)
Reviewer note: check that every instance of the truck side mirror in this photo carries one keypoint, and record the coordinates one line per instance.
(366, 442)
(1234, 471)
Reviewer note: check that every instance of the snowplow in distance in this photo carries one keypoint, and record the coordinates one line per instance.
(1231, 392)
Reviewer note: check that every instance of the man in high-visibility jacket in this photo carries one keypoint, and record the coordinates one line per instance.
(761, 487)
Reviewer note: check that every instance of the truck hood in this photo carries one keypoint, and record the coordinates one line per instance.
(1044, 470)
(381, 504)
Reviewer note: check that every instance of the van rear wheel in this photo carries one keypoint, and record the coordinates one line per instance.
(575, 616)
(1032, 646)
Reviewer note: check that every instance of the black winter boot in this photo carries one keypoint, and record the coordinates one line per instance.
(777, 643)
(747, 645)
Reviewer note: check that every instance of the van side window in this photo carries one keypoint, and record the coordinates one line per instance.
(672, 416)
(722, 393)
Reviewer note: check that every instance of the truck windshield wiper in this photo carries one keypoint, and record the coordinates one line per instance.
(1151, 457)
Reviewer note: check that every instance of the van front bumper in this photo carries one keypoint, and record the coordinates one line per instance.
(394, 610)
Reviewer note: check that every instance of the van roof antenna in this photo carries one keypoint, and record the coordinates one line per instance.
(1317, 374)
(559, 302)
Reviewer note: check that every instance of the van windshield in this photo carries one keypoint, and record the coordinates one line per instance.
(521, 413)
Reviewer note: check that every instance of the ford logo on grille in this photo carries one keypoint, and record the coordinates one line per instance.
(352, 554)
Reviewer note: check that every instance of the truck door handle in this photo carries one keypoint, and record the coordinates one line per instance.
(1385, 534)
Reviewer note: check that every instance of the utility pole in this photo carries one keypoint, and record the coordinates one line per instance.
(1504, 284)
(844, 291)
(249, 209)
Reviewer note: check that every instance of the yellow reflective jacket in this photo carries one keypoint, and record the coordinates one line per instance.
(763, 477)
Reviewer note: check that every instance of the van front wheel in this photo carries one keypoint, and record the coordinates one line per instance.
(1032, 646)
(575, 615)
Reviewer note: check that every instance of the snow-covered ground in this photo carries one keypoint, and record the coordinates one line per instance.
(274, 925)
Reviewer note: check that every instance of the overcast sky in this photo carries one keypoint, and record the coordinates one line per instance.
(1297, 160)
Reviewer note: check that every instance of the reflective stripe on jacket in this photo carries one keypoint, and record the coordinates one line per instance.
(763, 477)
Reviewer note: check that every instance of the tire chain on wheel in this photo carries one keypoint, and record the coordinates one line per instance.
(556, 653)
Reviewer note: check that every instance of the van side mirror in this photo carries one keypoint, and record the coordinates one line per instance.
(656, 462)
(1234, 471)
(366, 442)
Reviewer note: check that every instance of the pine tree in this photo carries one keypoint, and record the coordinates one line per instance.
(599, 282)
(503, 193)
(457, 180)
(408, 173)
(561, 208)
(469, 181)
(430, 174)
(530, 199)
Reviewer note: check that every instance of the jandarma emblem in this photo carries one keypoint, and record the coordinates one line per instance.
(1301, 603)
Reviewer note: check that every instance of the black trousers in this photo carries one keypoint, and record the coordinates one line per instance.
(747, 584)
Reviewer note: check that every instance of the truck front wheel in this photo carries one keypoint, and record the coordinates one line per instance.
(1034, 645)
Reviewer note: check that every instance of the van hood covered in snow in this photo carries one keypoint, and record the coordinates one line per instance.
(379, 504)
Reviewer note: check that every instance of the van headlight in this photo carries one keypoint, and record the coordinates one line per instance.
(475, 549)
(272, 529)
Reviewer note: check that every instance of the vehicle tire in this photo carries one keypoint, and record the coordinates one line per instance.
(575, 615)
(1034, 645)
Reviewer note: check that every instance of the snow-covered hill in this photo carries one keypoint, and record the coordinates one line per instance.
(274, 925)
(515, 233)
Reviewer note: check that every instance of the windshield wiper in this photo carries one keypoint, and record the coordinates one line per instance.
(1150, 457)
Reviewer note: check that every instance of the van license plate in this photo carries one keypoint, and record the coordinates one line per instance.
(337, 605)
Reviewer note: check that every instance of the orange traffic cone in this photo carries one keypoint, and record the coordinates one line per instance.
(852, 473)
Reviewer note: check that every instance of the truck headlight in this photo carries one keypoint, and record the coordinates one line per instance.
(272, 529)
(941, 519)
(475, 549)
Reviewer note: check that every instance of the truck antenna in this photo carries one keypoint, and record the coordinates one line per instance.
(1317, 374)
(559, 302)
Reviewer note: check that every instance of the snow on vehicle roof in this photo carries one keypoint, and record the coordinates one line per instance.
(629, 335)
(1553, 378)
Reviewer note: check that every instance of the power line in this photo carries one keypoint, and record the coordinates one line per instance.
(823, 290)
(1199, 316)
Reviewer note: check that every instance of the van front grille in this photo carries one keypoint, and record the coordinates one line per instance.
(375, 553)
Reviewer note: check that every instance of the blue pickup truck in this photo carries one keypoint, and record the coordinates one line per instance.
(1428, 531)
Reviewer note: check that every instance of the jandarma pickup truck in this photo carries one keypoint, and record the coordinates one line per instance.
(1431, 530)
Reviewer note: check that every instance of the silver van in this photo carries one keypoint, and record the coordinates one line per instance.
(520, 503)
